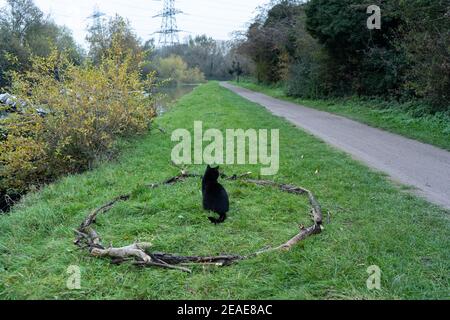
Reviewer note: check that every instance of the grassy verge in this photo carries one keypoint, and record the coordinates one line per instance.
(372, 223)
(430, 129)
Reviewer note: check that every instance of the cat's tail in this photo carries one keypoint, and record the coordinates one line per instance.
(217, 221)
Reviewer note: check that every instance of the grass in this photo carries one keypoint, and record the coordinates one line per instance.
(431, 129)
(373, 222)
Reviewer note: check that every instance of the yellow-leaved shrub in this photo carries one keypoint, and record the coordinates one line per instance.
(73, 116)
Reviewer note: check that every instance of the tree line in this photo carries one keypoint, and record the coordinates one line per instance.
(25, 32)
(323, 48)
(66, 107)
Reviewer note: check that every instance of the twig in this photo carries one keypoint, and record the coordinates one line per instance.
(302, 235)
(162, 265)
(235, 177)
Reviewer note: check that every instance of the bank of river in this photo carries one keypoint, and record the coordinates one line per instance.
(167, 96)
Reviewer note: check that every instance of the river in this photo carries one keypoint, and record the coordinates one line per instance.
(170, 95)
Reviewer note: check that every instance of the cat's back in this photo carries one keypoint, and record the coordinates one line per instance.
(215, 198)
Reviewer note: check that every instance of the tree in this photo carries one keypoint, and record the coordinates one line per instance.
(24, 31)
(236, 69)
(19, 17)
(426, 44)
(101, 35)
(176, 70)
(86, 109)
(270, 40)
(364, 61)
(204, 53)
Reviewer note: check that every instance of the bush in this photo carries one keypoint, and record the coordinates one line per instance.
(175, 69)
(193, 76)
(306, 79)
(87, 108)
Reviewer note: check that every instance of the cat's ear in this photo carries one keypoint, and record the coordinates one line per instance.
(208, 167)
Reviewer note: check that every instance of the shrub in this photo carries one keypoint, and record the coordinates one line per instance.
(306, 79)
(176, 70)
(87, 109)
(193, 76)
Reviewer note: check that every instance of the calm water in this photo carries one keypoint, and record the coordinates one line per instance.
(172, 94)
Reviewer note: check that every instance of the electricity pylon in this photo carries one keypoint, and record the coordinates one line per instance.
(96, 16)
(169, 29)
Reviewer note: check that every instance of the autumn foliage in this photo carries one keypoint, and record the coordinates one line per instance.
(73, 116)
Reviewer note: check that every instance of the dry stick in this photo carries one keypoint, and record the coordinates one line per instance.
(304, 233)
(136, 250)
(236, 177)
(181, 177)
(172, 259)
(90, 219)
(93, 215)
(120, 255)
(168, 261)
(162, 265)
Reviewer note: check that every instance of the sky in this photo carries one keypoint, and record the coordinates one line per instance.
(215, 18)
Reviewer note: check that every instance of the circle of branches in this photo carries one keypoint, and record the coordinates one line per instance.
(140, 253)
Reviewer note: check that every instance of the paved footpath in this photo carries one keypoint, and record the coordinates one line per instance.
(425, 167)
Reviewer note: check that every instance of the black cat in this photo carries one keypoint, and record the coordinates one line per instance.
(215, 197)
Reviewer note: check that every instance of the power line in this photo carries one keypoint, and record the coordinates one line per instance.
(210, 4)
(238, 5)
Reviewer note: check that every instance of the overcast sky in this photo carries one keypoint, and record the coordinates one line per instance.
(216, 18)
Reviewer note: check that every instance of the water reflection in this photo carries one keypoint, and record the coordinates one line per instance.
(171, 94)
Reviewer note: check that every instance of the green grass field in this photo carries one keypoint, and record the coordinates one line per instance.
(430, 129)
(373, 222)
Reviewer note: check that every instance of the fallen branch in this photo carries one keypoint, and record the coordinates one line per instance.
(216, 260)
(302, 235)
(181, 177)
(136, 251)
(87, 237)
(84, 230)
(162, 265)
(235, 177)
